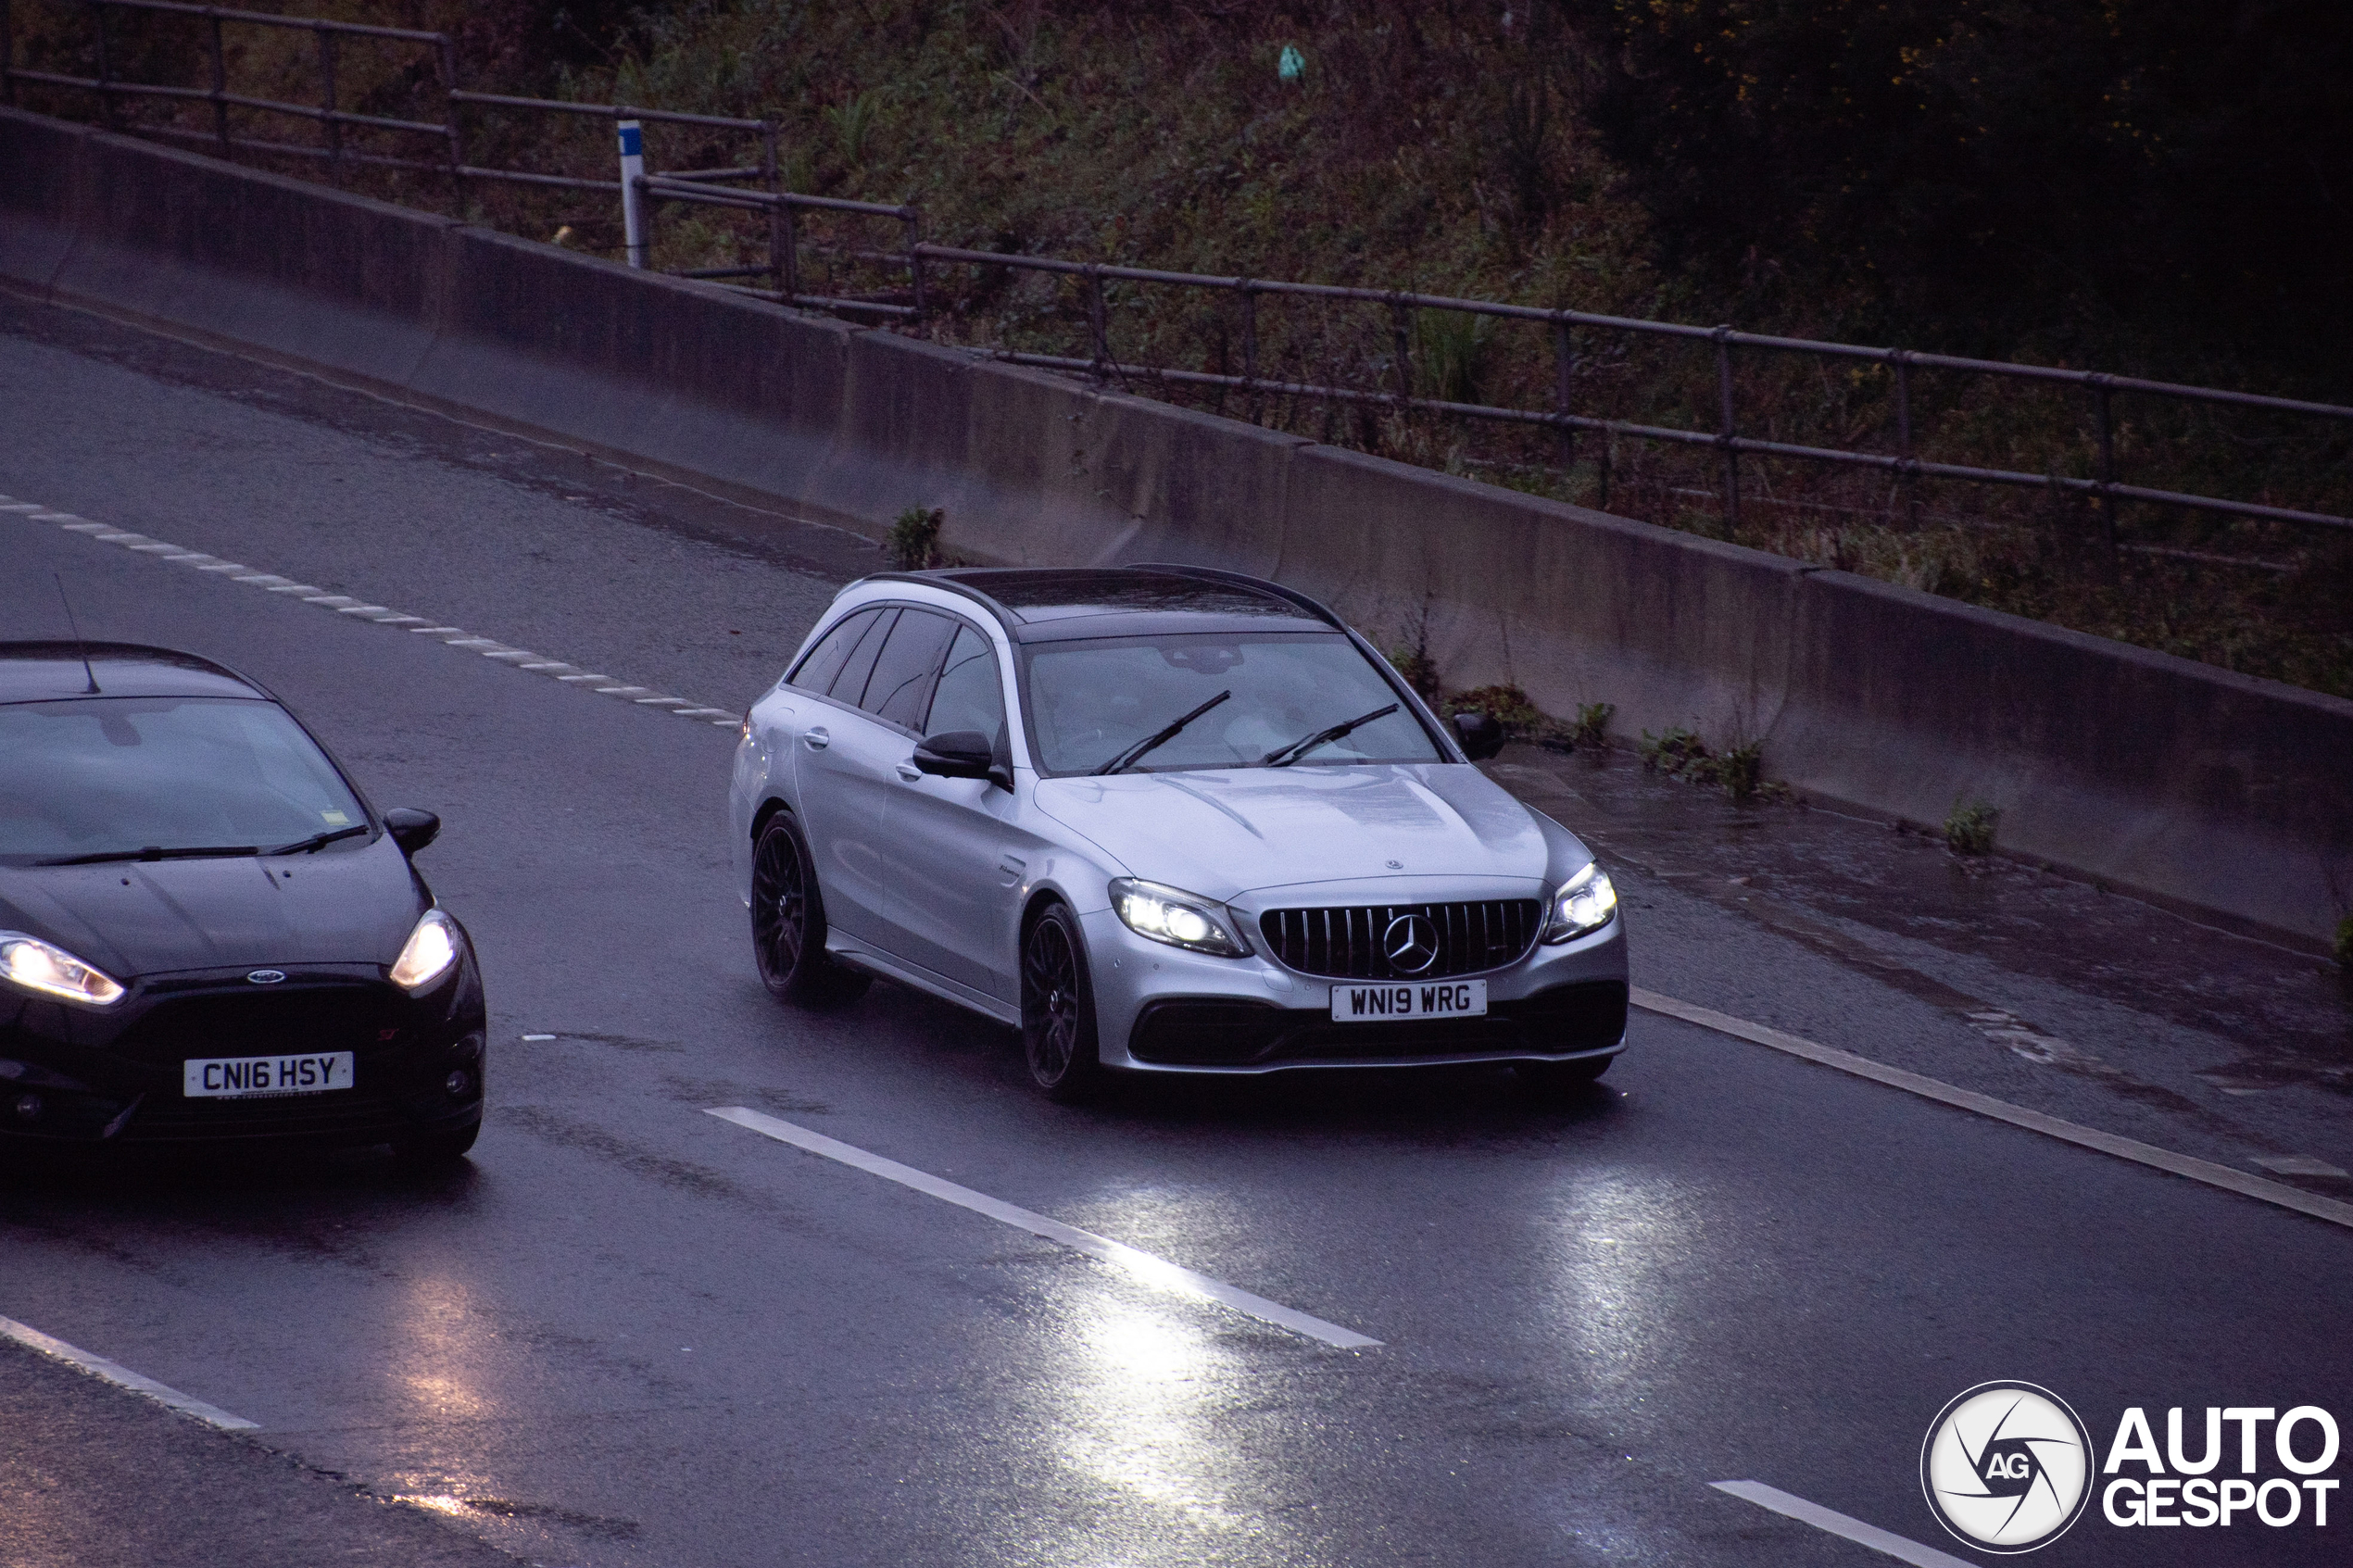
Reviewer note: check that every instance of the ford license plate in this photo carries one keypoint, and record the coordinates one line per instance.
(1424, 998)
(250, 1077)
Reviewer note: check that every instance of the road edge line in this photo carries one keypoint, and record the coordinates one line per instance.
(1133, 1261)
(2206, 1170)
(1828, 1520)
(123, 1377)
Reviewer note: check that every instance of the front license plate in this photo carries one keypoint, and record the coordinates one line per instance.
(1424, 998)
(250, 1077)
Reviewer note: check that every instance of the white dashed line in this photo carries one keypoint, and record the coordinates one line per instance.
(123, 1377)
(1144, 1266)
(383, 615)
(1836, 1523)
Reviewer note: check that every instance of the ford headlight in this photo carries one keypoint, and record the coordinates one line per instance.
(428, 954)
(53, 971)
(1585, 902)
(1177, 918)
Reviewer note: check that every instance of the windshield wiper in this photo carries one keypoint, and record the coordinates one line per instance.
(1284, 755)
(317, 840)
(1135, 753)
(153, 852)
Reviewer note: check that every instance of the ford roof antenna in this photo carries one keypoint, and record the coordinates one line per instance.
(79, 645)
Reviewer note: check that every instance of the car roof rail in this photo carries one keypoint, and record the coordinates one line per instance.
(1316, 607)
(948, 585)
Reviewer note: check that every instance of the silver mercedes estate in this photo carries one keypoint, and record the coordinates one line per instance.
(1162, 819)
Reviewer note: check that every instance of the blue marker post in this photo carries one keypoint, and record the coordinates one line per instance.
(633, 199)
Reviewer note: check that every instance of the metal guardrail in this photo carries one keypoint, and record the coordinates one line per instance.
(712, 188)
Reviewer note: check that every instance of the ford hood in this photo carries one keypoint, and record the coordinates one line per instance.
(135, 918)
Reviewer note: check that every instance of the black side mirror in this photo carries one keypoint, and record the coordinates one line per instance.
(410, 828)
(956, 754)
(1479, 734)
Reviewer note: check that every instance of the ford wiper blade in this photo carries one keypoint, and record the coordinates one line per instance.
(155, 852)
(1284, 755)
(1135, 753)
(317, 840)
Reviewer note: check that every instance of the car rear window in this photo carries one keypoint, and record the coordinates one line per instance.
(106, 775)
(818, 671)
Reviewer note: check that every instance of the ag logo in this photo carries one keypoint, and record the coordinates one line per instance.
(2006, 1467)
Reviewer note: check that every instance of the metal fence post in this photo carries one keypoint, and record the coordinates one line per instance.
(8, 55)
(1731, 454)
(1250, 344)
(327, 102)
(1609, 461)
(916, 263)
(1564, 367)
(220, 87)
(779, 214)
(1096, 325)
(1910, 474)
(1401, 326)
(456, 149)
(106, 67)
(632, 192)
(2108, 457)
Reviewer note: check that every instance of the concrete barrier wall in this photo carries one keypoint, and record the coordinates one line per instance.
(2153, 773)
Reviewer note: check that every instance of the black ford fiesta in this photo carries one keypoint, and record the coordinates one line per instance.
(207, 933)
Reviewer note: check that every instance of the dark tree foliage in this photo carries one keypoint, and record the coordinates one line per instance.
(2144, 155)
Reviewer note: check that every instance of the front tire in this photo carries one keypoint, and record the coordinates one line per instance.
(788, 923)
(1058, 1010)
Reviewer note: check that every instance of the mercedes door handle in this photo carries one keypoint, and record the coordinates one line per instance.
(815, 740)
(909, 772)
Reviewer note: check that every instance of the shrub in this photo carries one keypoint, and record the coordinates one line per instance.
(1419, 669)
(1742, 771)
(1680, 754)
(914, 538)
(1970, 829)
(1508, 704)
(1592, 723)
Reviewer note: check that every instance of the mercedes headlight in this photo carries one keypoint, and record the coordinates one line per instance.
(428, 954)
(1585, 902)
(53, 971)
(1177, 918)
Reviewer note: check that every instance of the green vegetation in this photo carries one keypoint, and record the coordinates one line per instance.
(915, 539)
(1969, 829)
(1592, 723)
(2153, 187)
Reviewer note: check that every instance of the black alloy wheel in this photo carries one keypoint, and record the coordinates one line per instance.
(1058, 1010)
(788, 923)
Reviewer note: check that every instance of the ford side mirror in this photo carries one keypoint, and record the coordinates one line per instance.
(955, 754)
(1479, 734)
(410, 828)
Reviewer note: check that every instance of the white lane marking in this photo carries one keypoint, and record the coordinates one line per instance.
(123, 1377)
(538, 1036)
(344, 604)
(1837, 1523)
(2165, 1160)
(1152, 1271)
(2298, 1165)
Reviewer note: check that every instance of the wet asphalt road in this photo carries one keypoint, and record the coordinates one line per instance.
(630, 1333)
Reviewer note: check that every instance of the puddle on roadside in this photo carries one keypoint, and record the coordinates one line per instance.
(1798, 871)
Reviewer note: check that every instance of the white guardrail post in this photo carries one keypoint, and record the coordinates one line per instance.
(633, 199)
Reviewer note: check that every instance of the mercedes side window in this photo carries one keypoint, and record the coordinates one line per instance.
(900, 688)
(970, 696)
(817, 672)
(850, 684)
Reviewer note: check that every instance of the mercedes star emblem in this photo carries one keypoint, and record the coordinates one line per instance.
(1410, 944)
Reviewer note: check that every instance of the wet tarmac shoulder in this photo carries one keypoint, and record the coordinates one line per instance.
(92, 1475)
